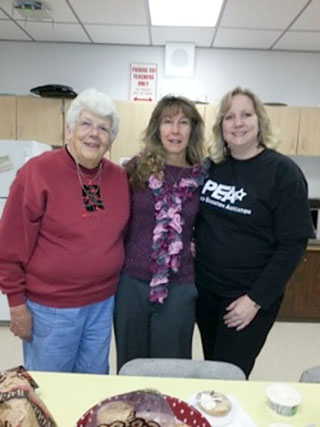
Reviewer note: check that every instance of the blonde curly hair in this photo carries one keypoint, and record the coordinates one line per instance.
(152, 158)
(218, 150)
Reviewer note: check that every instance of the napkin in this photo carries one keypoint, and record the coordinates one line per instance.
(237, 417)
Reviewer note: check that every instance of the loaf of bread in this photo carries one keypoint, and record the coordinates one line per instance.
(20, 406)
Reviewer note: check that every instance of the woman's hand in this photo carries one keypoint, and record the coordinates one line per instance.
(240, 313)
(21, 322)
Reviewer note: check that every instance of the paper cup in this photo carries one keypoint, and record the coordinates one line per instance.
(283, 399)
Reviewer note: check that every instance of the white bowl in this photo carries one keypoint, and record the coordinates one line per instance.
(283, 399)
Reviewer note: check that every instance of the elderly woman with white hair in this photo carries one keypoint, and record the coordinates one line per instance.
(61, 244)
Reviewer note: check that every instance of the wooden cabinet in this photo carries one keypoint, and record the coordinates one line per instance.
(8, 117)
(285, 124)
(302, 296)
(40, 119)
(309, 132)
(134, 118)
(297, 128)
(43, 119)
(66, 105)
(209, 116)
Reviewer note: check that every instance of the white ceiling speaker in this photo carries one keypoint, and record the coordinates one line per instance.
(179, 59)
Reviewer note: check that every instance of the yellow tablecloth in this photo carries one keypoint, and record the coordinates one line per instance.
(68, 396)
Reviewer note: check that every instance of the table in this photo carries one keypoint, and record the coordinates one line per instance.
(68, 396)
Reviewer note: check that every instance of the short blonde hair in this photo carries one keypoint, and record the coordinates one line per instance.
(217, 149)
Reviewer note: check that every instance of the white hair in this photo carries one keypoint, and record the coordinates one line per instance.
(97, 103)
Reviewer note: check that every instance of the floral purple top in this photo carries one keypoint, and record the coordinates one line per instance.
(161, 229)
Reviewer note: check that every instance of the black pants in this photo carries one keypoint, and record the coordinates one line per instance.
(145, 329)
(226, 344)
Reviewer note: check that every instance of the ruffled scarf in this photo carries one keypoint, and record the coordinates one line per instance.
(167, 234)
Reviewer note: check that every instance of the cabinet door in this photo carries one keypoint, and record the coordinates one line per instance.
(285, 125)
(210, 114)
(8, 123)
(309, 134)
(302, 296)
(66, 105)
(134, 118)
(40, 119)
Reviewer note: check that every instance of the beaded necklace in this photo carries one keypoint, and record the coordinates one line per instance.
(90, 194)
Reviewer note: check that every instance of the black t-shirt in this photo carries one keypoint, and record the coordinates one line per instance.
(253, 224)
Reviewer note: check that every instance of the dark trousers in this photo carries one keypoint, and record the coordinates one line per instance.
(226, 344)
(145, 329)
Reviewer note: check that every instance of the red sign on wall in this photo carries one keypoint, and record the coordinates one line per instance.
(143, 82)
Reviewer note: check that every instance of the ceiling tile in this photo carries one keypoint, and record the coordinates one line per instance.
(7, 6)
(200, 36)
(309, 19)
(246, 39)
(45, 31)
(118, 34)
(60, 11)
(264, 14)
(127, 22)
(10, 31)
(57, 9)
(118, 12)
(300, 40)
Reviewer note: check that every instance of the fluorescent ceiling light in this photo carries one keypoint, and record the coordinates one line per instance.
(185, 13)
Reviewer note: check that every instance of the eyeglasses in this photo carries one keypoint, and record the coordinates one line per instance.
(86, 126)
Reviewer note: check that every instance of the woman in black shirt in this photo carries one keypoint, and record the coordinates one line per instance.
(251, 231)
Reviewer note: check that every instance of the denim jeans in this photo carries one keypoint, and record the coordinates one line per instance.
(70, 339)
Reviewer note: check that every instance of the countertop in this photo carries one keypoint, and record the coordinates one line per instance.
(313, 245)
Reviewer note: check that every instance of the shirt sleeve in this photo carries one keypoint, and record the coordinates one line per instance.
(271, 284)
(19, 228)
(293, 227)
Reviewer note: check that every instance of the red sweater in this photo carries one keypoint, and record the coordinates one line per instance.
(54, 251)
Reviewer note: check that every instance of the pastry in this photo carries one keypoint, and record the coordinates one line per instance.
(114, 411)
(213, 403)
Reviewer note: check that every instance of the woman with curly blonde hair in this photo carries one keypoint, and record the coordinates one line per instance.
(155, 301)
(251, 231)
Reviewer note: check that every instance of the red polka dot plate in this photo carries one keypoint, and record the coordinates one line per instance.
(187, 414)
(183, 412)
